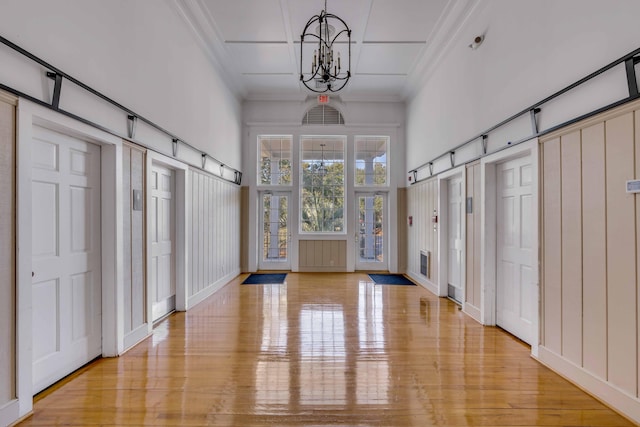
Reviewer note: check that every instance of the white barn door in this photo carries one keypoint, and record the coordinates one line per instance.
(515, 287)
(66, 255)
(162, 229)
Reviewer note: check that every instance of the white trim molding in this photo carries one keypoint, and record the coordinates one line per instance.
(30, 114)
(488, 232)
(182, 223)
(620, 401)
(443, 230)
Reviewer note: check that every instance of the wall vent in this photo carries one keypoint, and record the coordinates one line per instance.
(323, 115)
(425, 264)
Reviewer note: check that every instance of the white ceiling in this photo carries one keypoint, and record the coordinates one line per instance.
(255, 43)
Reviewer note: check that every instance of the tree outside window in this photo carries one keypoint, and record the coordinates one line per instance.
(323, 184)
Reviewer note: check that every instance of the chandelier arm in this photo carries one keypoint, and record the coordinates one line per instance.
(311, 35)
(331, 15)
(313, 76)
(311, 21)
(310, 78)
(302, 42)
(340, 33)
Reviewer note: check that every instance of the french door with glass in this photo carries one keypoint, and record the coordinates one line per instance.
(275, 232)
(371, 225)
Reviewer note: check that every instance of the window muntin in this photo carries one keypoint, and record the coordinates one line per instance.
(372, 168)
(322, 190)
(274, 159)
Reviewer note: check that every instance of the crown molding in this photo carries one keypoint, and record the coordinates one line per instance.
(446, 31)
(198, 20)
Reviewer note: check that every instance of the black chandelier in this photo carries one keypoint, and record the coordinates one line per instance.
(326, 65)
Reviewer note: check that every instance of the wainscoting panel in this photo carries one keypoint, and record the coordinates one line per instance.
(590, 236)
(322, 255)
(213, 235)
(7, 251)
(403, 229)
(422, 235)
(474, 218)
(135, 302)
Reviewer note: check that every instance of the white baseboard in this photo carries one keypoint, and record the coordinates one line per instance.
(472, 311)
(135, 336)
(419, 279)
(609, 394)
(211, 289)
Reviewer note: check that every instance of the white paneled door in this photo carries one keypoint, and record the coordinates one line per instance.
(455, 242)
(162, 231)
(515, 287)
(66, 255)
(275, 236)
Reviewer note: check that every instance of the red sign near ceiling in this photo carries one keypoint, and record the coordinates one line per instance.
(323, 99)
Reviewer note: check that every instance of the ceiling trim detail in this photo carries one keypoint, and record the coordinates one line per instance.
(392, 60)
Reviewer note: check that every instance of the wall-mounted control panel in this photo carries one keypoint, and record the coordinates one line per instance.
(633, 186)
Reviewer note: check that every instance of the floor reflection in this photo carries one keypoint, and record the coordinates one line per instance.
(274, 313)
(372, 366)
(273, 369)
(323, 350)
(322, 355)
(371, 318)
(317, 362)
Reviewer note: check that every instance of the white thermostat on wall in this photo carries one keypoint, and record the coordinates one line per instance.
(633, 186)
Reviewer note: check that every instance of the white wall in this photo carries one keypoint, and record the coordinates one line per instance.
(531, 50)
(139, 53)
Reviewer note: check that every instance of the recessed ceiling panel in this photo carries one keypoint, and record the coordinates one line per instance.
(272, 85)
(388, 58)
(261, 58)
(365, 85)
(248, 20)
(403, 20)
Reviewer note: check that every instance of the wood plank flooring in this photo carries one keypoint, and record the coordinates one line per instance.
(322, 350)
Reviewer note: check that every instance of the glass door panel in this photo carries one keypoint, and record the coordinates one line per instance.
(275, 233)
(371, 242)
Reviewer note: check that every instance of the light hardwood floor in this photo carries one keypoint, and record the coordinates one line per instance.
(322, 350)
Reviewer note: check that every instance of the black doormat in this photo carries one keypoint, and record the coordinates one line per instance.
(391, 279)
(265, 279)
